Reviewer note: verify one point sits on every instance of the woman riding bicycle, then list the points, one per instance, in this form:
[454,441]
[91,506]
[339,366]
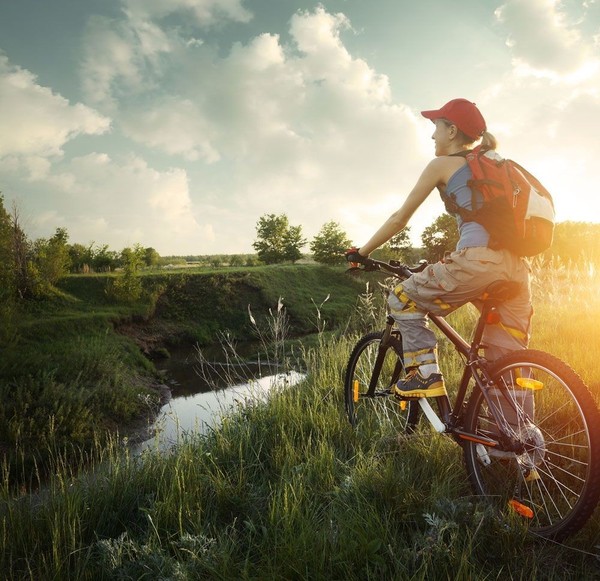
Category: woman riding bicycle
[464,274]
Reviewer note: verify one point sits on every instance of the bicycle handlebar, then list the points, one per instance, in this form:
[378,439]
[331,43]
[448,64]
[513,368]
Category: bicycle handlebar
[392,267]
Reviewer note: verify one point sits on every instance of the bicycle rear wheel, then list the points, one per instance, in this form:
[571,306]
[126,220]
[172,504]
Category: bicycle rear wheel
[554,481]
[372,372]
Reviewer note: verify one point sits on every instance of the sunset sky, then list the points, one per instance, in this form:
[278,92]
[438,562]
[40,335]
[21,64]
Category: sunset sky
[177,124]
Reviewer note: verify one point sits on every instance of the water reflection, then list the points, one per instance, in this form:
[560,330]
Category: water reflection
[197,412]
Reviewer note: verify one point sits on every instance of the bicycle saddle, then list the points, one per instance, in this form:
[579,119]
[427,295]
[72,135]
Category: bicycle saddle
[501,290]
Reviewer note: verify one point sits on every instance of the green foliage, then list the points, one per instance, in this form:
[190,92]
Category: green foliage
[276,240]
[293,241]
[104,259]
[7,276]
[329,244]
[151,257]
[401,241]
[51,260]
[440,237]
[128,286]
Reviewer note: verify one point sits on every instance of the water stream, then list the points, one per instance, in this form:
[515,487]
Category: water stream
[203,392]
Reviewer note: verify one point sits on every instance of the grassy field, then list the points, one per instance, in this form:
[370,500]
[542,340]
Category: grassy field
[287,490]
[75,371]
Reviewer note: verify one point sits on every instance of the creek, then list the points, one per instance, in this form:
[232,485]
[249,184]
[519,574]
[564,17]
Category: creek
[207,385]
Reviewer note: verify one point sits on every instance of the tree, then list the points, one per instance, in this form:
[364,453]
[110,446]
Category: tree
[128,286]
[20,250]
[293,241]
[236,260]
[151,257]
[51,258]
[105,260]
[81,257]
[7,275]
[329,244]
[400,243]
[398,248]
[440,237]
[276,241]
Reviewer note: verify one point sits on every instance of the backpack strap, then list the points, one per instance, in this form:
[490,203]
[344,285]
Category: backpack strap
[449,200]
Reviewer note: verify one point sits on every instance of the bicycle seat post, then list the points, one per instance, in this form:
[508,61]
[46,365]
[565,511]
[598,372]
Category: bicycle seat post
[496,293]
[489,316]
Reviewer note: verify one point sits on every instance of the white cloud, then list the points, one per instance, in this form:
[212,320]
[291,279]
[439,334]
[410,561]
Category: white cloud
[123,56]
[542,39]
[174,125]
[117,61]
[121,200]
[543,110]
[36,121]
[304,128]
[204,12]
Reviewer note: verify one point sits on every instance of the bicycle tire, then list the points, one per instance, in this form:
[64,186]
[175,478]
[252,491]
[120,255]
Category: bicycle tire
[554,484]
[378,411]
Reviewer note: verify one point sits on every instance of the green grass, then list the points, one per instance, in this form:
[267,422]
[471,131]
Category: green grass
[283,490]
[69,375]
[287,490]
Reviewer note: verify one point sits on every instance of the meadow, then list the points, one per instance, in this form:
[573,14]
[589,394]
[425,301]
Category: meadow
[285,489]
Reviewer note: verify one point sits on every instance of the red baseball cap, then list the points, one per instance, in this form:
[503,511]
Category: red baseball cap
[463,114]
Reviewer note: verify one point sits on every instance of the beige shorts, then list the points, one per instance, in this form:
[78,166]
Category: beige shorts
[462,277]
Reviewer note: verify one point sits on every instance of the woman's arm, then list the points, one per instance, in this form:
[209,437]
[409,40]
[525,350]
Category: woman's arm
[431,177]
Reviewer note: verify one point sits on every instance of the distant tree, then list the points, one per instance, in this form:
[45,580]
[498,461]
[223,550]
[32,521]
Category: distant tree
[401,241]
[7,273]
[21,254]
[105,260]
[440,237]
[151,257]
[276,241]
[51,258]
[236,260]
[81,257]
[293,241]
[398,248]
[215,261]
[7,276]
[128,286]
[329,244]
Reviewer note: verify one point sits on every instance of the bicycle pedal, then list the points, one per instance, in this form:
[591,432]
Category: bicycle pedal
[532,475]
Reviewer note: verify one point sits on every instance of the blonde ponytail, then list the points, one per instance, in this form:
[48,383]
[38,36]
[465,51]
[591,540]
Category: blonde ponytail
[488,141]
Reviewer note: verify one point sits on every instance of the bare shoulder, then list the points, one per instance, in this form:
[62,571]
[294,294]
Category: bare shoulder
[443,167]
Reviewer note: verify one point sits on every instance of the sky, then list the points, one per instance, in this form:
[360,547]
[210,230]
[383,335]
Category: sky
[177,124]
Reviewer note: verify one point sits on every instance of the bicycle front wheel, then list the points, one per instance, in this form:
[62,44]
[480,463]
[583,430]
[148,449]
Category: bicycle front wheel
[553,480]
[373,370]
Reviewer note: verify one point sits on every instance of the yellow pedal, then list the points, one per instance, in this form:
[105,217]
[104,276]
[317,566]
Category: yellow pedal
[355,390]
[528,383]
[402,405]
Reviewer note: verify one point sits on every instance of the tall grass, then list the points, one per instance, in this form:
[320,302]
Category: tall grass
[283,489]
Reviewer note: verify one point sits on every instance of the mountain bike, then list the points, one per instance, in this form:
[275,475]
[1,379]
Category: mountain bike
[527,424]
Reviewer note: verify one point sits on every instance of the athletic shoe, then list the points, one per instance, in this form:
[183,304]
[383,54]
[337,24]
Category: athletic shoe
[414,385]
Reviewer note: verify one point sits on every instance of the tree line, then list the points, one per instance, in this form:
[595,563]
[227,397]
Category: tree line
[30,268]
[277,241]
